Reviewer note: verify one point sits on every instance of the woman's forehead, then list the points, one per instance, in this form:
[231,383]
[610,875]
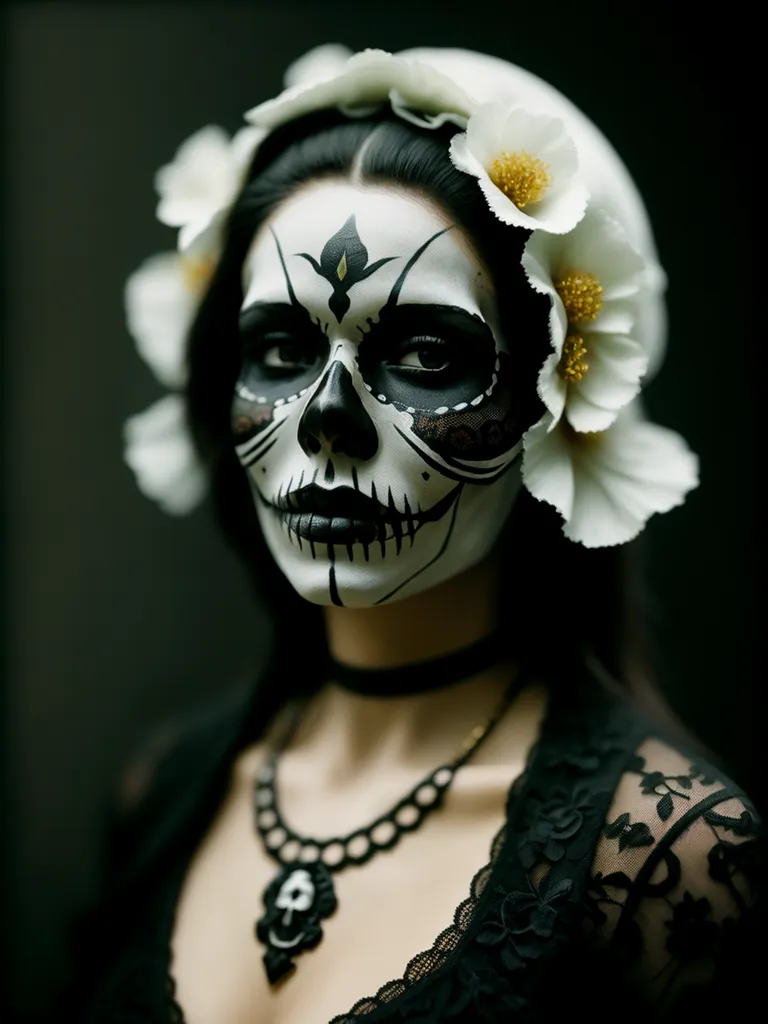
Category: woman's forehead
[364,236]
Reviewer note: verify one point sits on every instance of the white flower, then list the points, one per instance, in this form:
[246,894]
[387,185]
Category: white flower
[606,485]
[201,182]
[161,299]
[159,308]
[526,164]
[316,65]
[363,83]
[159,450]
[596,283]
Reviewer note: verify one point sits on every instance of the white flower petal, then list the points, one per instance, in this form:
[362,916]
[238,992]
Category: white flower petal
[159,450]
[596,246]
[553,391]
[492,133]
[364,81]
[640,468]
[600,246]
[616,365]
[615,318]
[616,360]
[159,306]
[547,466]
[199,181]
[243,147]
[431,121]
[203,239]
[316,65]
[607,485]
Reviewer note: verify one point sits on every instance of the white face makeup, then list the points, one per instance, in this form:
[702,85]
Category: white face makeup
[375,411]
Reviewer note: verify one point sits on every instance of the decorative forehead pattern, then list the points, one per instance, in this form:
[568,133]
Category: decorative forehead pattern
[343,263]
[353,243]
[338,264]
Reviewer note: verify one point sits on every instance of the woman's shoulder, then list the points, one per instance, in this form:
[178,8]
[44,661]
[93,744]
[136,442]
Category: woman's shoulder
[176,777]
[189,740]
[674,891]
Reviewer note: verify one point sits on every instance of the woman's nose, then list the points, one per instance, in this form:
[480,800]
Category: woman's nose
[335,416]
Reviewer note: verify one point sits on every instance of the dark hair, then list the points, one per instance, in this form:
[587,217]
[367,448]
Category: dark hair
[567,606]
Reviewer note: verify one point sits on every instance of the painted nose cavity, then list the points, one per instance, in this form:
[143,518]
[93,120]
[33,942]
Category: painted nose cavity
[336,416]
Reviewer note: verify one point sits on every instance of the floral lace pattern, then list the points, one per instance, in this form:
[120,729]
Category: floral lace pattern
[620,859]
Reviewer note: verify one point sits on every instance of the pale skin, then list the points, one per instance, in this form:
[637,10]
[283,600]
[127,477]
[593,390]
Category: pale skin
[351,759]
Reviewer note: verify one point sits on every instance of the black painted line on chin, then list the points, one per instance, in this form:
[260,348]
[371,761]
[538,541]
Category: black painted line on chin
[333,589]
[311,542]
[432,560]
[409,515]
[397,525]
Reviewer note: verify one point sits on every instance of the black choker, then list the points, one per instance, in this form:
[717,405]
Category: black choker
[421,676]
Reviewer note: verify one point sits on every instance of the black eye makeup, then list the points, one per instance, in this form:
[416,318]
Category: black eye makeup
[420,356]
[280,345]
[428,356]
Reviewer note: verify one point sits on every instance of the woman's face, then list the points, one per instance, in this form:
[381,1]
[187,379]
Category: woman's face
[375,411]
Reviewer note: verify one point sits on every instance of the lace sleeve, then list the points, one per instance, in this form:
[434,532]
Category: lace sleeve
[673,892]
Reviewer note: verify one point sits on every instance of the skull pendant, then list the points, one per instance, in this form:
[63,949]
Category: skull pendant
[295,902]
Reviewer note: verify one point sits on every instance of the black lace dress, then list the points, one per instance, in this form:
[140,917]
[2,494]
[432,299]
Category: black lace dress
[624,884]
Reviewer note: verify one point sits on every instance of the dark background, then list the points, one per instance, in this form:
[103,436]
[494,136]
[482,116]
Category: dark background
[117,615]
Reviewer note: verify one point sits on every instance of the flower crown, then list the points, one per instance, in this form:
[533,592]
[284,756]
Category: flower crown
[540,165]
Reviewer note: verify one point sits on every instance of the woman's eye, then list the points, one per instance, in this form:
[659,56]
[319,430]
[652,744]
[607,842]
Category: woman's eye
[288,355]
[424,359]
[434,356]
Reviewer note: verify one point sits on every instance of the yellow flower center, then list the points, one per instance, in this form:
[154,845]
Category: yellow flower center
[572,366]
[521,177]
[197,273]
[581,294]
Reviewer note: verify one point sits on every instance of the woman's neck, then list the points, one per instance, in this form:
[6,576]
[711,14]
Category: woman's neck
[367,732]
[446,618]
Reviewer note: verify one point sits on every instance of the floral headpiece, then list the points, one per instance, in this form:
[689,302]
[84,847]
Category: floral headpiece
[541,165]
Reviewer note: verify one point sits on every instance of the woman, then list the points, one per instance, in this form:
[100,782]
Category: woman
[430,300]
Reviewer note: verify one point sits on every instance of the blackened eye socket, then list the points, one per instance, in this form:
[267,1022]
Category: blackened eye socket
[281,354]
[423,354]
[288,355]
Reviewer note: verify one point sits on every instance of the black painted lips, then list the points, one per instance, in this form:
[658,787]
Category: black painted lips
[343,515]
[339,502]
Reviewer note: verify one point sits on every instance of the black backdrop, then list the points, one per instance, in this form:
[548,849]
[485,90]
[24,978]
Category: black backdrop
[118,615]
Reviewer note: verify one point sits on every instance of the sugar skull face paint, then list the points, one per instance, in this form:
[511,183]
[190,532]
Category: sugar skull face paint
[376,411]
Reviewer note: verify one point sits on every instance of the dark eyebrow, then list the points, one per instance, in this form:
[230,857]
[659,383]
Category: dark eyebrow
[425,316]
[276,316]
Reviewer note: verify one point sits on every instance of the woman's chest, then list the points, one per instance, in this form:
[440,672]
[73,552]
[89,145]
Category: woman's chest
[388,911]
